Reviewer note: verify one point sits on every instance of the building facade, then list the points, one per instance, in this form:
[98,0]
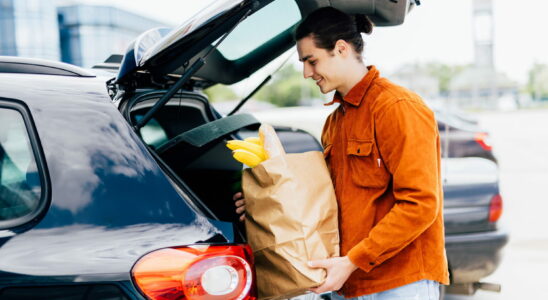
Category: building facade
[29,28]
[83,35]
[90,34]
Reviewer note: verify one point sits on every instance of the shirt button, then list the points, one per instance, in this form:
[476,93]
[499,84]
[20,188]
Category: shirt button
[371,263]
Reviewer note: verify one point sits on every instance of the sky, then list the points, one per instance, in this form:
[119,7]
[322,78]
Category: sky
[442,30]
[436,31]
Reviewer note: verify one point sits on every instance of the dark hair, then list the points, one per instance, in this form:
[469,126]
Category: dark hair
[327,25]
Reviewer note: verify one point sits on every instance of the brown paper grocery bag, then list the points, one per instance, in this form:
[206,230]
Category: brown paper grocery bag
[291,218]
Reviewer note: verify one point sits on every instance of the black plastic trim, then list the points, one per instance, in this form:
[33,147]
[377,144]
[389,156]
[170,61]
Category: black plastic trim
[148,95]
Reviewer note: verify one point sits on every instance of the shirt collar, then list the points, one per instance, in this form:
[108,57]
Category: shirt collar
[357,93]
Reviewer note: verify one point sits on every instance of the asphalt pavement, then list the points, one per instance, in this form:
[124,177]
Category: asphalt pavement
[520,140]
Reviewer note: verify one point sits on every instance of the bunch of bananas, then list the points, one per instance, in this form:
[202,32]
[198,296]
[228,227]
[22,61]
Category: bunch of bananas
[254,150]
[250,151]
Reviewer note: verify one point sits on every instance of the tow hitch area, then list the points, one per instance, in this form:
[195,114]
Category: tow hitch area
[471,288]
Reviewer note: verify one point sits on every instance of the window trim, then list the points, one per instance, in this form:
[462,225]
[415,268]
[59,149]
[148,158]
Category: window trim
[36,146]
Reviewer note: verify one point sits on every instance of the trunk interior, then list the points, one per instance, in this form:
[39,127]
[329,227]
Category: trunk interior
[210,172]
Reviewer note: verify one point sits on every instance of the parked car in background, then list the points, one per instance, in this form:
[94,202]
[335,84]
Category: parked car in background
[472,203]
[121,188]
[462,136]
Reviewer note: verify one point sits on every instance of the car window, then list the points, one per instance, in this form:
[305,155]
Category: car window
[20,187]
[267,22]
[152,133]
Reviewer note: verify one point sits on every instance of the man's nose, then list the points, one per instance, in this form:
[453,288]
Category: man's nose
[307,71]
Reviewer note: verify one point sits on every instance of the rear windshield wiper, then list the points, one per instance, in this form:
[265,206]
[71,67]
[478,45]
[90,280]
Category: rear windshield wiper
[267,79]
[184,78]
[244,100]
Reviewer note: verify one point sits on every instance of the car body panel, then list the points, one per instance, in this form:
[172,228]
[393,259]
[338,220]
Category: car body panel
[110,201]
[474,256]
[470,183]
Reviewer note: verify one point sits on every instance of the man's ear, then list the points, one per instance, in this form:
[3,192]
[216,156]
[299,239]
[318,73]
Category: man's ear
[342,48]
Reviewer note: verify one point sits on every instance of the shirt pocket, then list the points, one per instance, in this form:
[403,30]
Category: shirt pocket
[366,166]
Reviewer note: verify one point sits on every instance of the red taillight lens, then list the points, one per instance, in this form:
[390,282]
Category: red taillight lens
[201,272]
[482,138]
[495,208]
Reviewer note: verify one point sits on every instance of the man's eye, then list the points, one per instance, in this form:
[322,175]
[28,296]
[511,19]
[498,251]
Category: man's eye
[312,62]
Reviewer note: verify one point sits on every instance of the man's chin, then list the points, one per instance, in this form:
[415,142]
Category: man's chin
[325,90]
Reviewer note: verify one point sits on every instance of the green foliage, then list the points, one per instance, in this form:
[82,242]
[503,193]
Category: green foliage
[444,73]
[288,87]
[537,84]
[219,93]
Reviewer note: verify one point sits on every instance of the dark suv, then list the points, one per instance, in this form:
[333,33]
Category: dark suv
[120,188]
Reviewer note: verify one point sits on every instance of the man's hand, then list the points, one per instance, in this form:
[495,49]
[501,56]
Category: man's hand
[338,270]
[240,205]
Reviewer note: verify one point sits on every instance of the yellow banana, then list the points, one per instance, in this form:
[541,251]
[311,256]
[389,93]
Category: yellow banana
[251,147]
[254,140]
[246,157]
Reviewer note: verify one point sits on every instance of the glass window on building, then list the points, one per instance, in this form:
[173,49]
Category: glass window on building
[36,29]
[7,28]
[20,187]
[90,34]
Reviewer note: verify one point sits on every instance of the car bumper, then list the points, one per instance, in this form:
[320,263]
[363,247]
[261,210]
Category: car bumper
[474,256]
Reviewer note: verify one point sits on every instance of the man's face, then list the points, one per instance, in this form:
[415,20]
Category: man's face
[325,67]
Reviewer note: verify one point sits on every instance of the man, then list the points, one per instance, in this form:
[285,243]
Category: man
[383,151]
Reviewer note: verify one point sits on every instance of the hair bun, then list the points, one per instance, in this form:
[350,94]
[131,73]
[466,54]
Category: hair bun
[363,24]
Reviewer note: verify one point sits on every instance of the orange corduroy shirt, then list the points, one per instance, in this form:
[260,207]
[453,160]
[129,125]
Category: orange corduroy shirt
[382,148]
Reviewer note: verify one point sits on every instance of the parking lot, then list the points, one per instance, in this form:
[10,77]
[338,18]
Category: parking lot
[520,141]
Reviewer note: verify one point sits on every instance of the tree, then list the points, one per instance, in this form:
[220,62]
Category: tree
[288,87]
[537,84]
[444,73]
[219,93]
[415,76]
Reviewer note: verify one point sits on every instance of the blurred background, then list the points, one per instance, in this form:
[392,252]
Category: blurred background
[482,60]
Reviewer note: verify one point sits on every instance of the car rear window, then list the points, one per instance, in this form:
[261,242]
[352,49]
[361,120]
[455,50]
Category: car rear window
[21,188]
[268,22]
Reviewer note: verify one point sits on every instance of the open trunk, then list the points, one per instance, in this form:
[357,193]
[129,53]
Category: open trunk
[207,173]
[162,70]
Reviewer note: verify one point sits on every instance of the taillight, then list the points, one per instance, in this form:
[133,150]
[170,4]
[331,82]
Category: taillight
[202,272]
[482,138]
[495,208]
